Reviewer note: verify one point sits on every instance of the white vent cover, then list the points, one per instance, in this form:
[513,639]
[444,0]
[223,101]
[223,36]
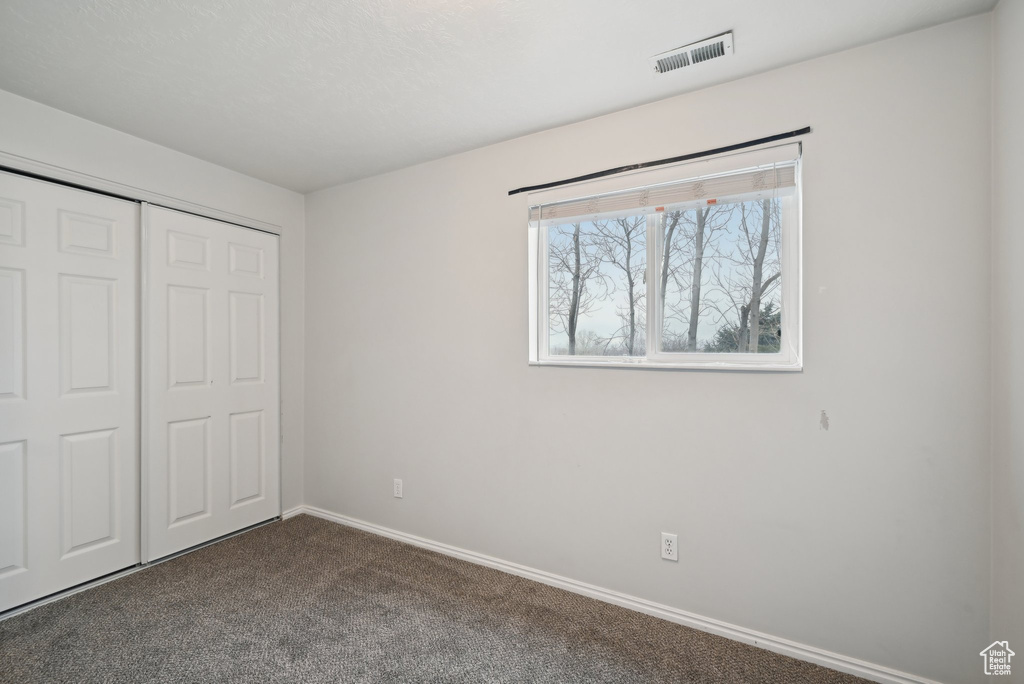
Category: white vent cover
[694,53]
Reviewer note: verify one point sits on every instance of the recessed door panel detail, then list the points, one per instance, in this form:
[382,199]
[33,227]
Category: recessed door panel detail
[87,333]
[213,431]
[246,260]
[69,400]
[91,235]
[187,335]
[188,251]
[246,337]
[188,457]
[12,222]
[89,490]
[13,494]
[12,333]
[246,457]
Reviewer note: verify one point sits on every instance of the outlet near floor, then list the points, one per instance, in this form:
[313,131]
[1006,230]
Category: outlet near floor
[398,488]
[669,550]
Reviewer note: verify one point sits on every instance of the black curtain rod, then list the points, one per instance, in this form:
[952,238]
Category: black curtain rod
[671,160]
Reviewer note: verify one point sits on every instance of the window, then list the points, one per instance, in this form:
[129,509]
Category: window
[691,266]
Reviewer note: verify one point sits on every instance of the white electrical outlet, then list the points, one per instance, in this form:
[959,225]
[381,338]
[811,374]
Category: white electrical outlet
[398,488]
[669,547]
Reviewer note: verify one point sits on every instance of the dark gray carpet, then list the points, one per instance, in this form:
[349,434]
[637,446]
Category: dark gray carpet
[307,600]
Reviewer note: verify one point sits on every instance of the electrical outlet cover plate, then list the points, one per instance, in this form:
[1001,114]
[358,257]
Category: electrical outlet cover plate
[398,488]
[669,547]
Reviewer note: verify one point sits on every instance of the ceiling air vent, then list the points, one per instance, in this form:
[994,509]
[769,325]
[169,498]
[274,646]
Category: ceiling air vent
[694,53]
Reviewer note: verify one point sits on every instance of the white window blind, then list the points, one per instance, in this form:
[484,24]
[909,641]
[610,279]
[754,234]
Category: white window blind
[751,175]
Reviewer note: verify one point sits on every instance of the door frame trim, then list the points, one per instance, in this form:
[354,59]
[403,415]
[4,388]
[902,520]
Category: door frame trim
[143,360]
[52,173]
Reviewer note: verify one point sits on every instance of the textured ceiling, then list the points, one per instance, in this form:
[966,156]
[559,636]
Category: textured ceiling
[310,93]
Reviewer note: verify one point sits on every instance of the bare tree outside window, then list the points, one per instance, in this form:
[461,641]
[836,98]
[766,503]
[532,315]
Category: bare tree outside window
[597,287]
[719,264]
[575,283]
[690,241]
[623,247]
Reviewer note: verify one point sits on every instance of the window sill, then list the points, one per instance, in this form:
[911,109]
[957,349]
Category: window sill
[648,364]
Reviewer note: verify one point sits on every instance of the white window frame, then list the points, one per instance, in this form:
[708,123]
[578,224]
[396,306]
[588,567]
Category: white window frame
[789,358]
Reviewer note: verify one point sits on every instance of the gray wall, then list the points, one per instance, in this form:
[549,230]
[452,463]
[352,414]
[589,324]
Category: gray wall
[870,539]
[1008,327]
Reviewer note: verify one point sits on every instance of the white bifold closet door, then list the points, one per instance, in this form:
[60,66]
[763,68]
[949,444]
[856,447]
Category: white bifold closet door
[211,423]
[69,450]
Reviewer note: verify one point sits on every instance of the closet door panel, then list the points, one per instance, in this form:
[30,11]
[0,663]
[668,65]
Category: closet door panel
[212,412]
[69,451]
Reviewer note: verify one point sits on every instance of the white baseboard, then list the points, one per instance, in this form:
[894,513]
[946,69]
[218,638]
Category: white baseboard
[292,512]
[860,668]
